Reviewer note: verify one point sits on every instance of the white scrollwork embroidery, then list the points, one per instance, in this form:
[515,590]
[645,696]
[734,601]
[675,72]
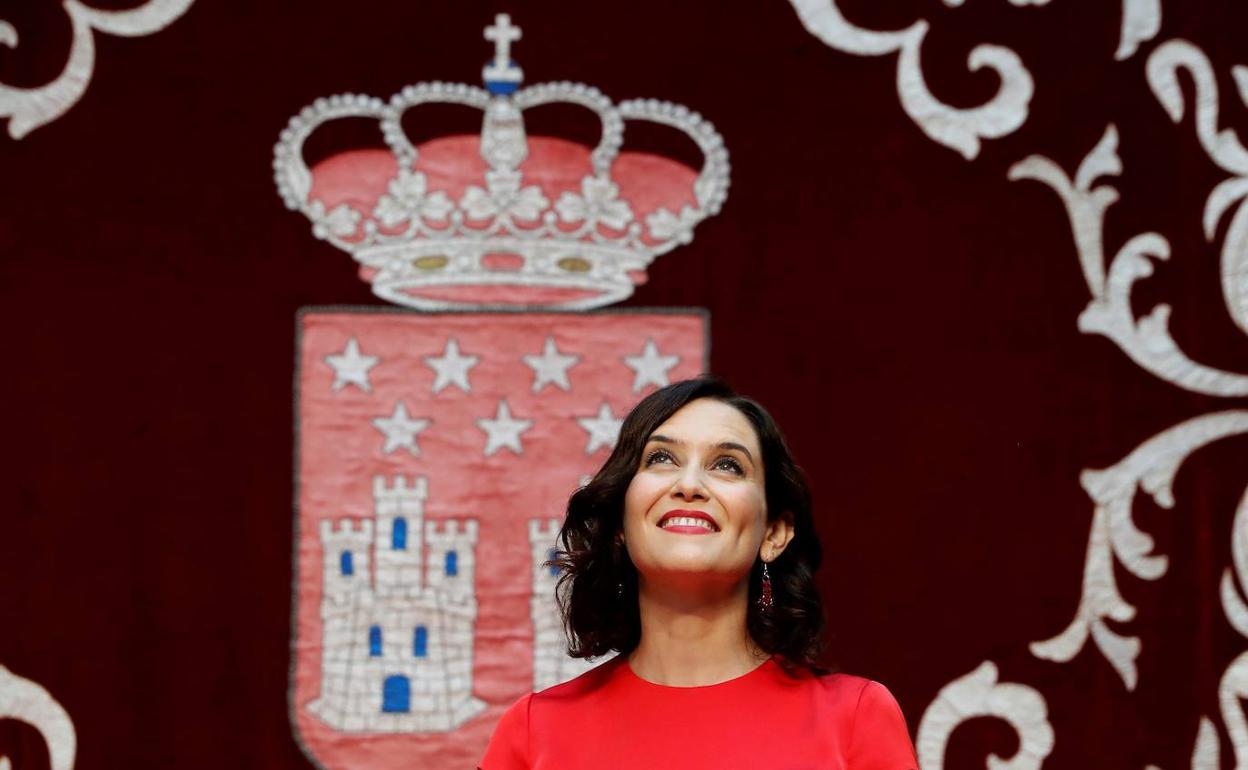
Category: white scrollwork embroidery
[1147,340]
[956,3]
[1151,467]
[1233,688]
[1224,149]
[1205,753]
[978,694]
[29,702]
[30,108]
[1141,21]
[1232,603]
[960,129]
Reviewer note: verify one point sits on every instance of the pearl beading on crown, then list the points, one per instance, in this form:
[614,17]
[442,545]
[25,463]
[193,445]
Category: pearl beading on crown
[416,237]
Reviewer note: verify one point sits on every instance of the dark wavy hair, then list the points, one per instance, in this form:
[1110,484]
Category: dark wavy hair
[598,588]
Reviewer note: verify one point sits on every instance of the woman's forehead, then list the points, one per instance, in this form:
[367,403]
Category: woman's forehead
[708,421]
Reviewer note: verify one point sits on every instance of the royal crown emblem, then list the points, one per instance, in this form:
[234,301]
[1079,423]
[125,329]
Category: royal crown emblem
[502,219]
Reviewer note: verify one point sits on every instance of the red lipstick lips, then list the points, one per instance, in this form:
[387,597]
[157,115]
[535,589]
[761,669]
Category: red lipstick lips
[691,525]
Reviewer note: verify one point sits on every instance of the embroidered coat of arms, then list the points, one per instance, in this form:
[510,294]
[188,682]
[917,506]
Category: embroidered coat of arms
[438,442]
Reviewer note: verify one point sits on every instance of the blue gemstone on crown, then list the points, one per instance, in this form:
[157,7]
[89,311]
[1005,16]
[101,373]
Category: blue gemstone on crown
[503,87]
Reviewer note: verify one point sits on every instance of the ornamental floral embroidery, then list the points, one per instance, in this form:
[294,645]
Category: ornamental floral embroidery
[505,198]
[342,221]
[30,108]
[664,225]
[1115,539]
[408,199]
[598,203]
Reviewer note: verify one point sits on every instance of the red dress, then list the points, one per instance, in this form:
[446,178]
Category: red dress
[611,719]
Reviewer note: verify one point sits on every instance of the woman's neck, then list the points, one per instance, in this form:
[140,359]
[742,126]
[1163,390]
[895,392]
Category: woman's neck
[694,640]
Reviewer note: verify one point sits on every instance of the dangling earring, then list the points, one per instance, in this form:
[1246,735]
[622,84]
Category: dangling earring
[619,555]
[764,597]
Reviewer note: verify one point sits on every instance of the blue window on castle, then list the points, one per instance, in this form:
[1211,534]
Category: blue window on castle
[420,642]
[551,555]
[398,535]
[374,641]
[396,695]
[452,564]
[345,564]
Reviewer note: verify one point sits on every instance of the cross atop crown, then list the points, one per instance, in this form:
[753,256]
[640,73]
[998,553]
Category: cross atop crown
[502,76]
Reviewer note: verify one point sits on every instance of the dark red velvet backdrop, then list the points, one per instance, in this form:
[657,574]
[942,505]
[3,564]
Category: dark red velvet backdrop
[908,315]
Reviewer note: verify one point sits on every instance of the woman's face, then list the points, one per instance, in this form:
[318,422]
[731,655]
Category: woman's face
[697,507]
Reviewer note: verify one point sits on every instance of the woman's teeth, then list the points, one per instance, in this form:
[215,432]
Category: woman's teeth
[687,521]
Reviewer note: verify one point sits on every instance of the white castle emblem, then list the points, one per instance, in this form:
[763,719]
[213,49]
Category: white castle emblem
[397,648]
[398,632]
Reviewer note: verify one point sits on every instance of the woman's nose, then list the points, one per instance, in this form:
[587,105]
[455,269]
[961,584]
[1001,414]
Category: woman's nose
[689,484]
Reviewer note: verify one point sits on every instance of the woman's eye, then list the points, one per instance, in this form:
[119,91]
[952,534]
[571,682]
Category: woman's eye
[658,455]
[727,464]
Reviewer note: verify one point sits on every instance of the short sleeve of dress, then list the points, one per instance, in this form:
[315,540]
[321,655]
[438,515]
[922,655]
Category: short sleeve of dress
[509,746]
[880,740]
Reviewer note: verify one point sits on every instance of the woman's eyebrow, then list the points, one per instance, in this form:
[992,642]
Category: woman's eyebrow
[734,445]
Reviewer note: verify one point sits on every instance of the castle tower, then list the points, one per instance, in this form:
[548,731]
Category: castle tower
[347,597]
[452,566]
[400,512]
[551,662]
[451,575]
[397,650]
[346,550]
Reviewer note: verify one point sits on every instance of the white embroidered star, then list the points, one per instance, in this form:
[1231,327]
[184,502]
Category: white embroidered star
[551,367]
[451,368]
[400,430]
[650,366]
[603,428]
[351,368]
[503,430]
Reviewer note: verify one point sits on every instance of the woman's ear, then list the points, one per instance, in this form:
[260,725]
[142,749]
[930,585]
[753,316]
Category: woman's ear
[776,539]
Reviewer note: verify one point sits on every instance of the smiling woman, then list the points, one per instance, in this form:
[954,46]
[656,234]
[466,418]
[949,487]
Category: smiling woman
[692,555]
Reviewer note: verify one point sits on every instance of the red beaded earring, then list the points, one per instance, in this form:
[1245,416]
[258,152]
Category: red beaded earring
[764,598]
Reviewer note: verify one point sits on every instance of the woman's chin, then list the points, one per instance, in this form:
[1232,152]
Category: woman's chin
[688,565]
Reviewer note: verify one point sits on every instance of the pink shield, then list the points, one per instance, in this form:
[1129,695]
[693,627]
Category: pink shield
[436,456]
